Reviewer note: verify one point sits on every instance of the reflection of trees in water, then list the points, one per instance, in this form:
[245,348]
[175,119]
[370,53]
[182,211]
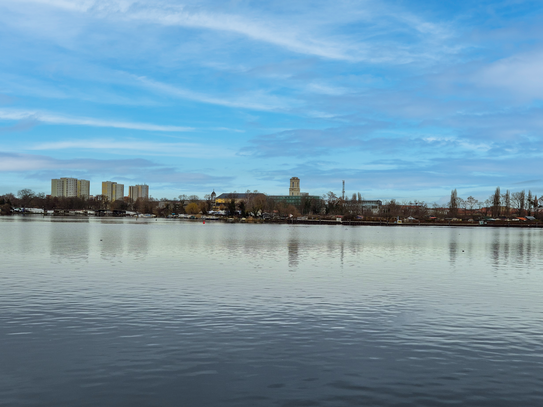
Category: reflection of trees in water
[515,248]
[137,242]
[523,250]
[341,250]
[69,241]
[495,248]
[453,245]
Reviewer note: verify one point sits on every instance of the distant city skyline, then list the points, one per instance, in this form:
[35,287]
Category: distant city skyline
[401,99]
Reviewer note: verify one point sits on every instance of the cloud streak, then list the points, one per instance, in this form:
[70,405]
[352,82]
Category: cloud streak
[44,168]
[258,100]
[312,34]
[255,28]
[14,162]
[52,118]
[21,125]
[140,147]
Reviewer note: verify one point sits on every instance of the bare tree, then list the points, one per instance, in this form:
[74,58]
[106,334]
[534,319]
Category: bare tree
[332,203]
[519,201]
[522,203]
[463,204]
[25,196]
[507,202]
[471,203]
[390,209]
[496,203]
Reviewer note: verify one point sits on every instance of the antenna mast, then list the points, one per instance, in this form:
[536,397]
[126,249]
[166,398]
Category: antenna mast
[343,192]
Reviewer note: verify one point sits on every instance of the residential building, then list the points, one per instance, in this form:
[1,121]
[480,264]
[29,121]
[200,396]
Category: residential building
[56,188]
[112,191]
[119,192]
[83,188]
[136,192]
[70,187]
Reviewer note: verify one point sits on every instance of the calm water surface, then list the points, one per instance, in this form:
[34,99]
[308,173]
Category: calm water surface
[98,312]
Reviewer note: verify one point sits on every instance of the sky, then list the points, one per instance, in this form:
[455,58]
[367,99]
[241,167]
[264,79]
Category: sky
[402,99]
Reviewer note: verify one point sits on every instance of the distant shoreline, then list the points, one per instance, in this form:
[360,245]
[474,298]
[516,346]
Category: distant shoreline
[491,224]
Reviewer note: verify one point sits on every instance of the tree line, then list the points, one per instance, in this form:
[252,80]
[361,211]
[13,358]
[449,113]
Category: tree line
[499,204]
[26,198]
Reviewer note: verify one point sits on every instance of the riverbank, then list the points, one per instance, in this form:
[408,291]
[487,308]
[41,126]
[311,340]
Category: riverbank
[411,224]
[330,222]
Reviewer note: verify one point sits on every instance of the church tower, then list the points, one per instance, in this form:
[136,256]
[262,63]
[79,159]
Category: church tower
[294,189]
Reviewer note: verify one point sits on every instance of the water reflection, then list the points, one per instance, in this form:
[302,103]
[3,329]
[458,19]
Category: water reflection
[68,242]
[212,314]
[293,247]
[119,240]
[138,243]
[510,248]
[112,240]
[453,245]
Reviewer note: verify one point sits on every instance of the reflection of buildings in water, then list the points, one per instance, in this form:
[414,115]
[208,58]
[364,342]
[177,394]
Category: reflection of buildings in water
[293,247]
[69,241]
[137,241]
[111,240]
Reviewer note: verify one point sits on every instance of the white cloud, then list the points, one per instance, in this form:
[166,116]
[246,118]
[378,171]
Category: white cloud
[519,74]
[309,30]
[20,162]
[15,162]
[259,100]
[129,147]
[256,28]
[51,118]
[325,89]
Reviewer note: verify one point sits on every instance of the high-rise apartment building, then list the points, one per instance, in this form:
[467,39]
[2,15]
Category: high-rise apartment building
[119,191]
[107,189]
[56,187]
[138,191]
[70,187]
[112,190]
[83,188]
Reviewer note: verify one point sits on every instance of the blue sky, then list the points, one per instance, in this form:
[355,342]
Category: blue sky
[401,99]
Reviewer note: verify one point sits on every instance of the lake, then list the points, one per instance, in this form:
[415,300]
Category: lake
[119,312]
